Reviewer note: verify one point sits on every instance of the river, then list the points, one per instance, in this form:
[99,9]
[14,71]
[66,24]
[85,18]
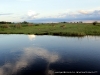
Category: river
[49,55]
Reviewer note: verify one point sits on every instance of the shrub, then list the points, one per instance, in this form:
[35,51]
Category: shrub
[94,23]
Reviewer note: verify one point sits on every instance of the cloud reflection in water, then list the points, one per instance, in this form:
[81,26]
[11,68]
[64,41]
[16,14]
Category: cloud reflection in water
[27,58]
[31,37]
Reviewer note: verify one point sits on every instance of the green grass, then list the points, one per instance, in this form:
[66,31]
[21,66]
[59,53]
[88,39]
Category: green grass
[62,29]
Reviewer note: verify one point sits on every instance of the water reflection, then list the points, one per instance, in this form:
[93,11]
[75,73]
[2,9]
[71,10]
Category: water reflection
[27,58]
[31,37]
[50,54]
[96,38]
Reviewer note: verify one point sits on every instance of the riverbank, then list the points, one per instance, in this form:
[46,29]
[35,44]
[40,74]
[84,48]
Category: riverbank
[62,29]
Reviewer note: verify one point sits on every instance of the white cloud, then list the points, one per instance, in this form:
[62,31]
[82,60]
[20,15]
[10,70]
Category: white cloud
[32,14]
[6,13]
[83,15]
[62,15]
[85,11]
[58,15]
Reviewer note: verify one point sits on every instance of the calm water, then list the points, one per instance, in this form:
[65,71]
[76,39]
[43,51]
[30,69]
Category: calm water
[49,55]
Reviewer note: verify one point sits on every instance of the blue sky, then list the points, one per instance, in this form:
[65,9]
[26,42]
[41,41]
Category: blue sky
[49,10]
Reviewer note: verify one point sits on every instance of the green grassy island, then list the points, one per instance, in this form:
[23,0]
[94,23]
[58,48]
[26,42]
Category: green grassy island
[62,29]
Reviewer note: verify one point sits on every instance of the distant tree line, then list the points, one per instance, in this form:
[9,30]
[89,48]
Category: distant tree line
[71,22]
[3,22]
[24,22]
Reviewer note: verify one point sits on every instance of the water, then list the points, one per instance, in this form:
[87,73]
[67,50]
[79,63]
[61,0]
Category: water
[49,55]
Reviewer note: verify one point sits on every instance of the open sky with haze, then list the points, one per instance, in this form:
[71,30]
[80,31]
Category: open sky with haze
[49,10]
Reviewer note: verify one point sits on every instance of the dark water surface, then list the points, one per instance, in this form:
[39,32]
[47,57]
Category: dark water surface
[49,55]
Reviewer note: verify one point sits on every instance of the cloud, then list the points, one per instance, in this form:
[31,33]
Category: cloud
[59,15]
[32,14]
[93,15]
[84,12]
[5,14]
[96,12]
[81,15]
[90,12]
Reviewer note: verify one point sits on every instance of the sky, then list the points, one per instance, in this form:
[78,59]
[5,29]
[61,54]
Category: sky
[47,11]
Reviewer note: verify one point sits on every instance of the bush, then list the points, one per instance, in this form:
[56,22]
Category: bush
[94,23]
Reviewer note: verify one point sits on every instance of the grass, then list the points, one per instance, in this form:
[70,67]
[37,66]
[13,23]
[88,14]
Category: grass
[62,29]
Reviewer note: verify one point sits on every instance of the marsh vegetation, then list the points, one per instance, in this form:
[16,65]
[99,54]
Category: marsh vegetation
[62,29]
